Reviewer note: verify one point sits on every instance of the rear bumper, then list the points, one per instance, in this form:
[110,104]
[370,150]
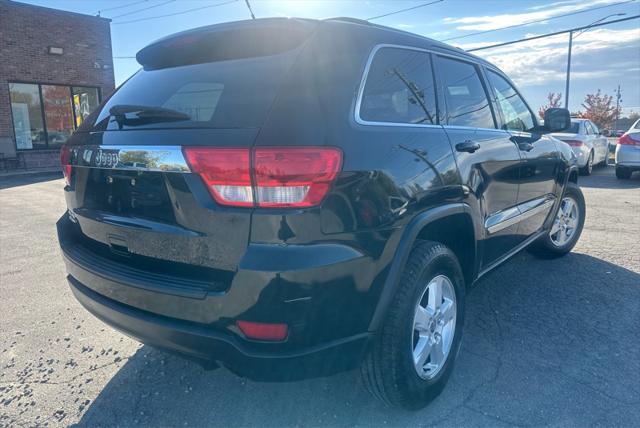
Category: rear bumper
[327,326]
[205,345]
[628,156]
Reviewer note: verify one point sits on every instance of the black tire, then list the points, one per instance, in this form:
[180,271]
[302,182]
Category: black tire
[623,173]
[388,370]
[545,247]
[588,168]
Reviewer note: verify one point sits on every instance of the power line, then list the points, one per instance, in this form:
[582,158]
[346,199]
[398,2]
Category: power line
[404,10]
[121,6]
[143,9]
[175,13]
[554,34]
[538,20]
[250,11]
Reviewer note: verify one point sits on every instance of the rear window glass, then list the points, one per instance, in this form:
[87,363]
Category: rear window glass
[399,88]
[574,128]
[222,94]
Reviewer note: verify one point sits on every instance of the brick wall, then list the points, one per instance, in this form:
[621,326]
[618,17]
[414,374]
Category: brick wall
[26,32]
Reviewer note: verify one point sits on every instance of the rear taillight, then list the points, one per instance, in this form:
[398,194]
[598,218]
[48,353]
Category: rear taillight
[225,172]
[65,162]
[294,177]
[277,176]
[626,140]
[574,143]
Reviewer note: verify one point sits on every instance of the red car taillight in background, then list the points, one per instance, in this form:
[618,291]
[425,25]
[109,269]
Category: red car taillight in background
[574,143]
[626,140]
[279,177]
[65,158]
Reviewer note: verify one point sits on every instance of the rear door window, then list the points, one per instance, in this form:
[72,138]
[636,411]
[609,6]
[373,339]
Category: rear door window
[399,88]
[464,95]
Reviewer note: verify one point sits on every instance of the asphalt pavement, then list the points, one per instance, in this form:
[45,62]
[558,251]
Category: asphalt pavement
[545,342]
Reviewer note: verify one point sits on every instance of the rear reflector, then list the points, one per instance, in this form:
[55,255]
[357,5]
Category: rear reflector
[65,158]
[626,140]
[281,177]
[263,331]
[574,143]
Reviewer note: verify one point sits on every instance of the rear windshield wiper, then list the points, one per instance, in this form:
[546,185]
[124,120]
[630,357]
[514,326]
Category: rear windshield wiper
[134,115]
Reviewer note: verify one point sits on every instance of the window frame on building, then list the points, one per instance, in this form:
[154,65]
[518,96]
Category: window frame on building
[39,85]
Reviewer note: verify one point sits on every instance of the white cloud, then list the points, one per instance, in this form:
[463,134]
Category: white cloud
[558,3]
[595,54]
[492,22]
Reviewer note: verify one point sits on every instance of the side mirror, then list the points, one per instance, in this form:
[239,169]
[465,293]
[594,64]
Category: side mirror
[557,119]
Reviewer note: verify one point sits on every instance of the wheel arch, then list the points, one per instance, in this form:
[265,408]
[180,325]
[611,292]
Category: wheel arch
[451,225]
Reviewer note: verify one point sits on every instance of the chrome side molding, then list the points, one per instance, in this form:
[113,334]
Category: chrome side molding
[503,219]
[138,158]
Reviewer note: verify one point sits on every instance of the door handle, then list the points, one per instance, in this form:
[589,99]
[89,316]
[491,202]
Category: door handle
[522,142]
[467,146]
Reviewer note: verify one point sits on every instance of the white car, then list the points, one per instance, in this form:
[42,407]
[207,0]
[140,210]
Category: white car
[628,152]
[589,145]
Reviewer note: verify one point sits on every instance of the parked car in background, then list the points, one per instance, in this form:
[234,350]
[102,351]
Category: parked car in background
[589,145]
[288,197]
[628,152]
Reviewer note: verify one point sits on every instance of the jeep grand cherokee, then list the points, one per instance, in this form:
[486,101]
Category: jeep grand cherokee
[291,198]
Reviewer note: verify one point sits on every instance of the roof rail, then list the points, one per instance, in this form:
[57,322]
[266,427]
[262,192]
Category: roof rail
[349,19]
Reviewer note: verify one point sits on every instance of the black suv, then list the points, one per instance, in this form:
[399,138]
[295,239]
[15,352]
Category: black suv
[291,198]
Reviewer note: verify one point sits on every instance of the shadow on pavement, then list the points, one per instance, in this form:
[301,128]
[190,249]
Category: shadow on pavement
[545,342]
[605,178]
[7,182]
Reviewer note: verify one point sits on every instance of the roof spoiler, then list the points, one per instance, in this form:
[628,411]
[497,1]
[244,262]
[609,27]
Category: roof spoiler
[234,40]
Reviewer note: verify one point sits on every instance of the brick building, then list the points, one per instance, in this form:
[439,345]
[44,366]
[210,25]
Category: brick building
[55,67]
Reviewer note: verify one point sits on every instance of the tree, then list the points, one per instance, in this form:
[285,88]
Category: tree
[553,101]
[600,109]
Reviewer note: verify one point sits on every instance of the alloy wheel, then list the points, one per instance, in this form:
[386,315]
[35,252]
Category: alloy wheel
[434,325]
[565,223]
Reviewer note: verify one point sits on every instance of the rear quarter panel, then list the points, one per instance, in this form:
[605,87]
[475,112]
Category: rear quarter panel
[389,173]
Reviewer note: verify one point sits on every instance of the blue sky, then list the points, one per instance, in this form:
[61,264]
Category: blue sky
[602,57]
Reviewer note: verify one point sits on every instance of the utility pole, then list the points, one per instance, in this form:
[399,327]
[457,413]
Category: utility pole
[566,88]
[618,101]
[566,92]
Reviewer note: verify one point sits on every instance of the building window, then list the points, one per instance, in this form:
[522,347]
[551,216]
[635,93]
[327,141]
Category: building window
[85,100]
[44,116]
[27,116]
[58,116]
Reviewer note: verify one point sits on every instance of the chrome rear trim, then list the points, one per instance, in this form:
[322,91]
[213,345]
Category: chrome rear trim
[137,158]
